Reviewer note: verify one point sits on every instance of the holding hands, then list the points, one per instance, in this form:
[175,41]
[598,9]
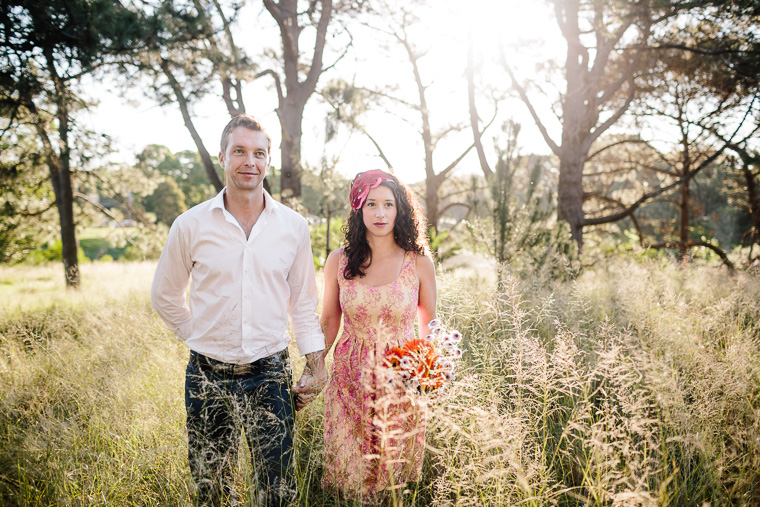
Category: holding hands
[312,381]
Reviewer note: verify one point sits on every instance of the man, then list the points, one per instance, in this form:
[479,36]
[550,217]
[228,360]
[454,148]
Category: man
[251,265]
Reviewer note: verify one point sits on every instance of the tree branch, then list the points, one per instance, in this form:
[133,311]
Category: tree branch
[616,143]
[185,109]
[442,175]
[611,120]
[97,206]
[277,82]
[451,205]
[633,207]
[315,69]
[524,97]
[692,244]
[377,146]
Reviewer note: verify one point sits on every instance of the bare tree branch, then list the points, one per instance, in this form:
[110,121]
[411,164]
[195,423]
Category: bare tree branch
[441,175]
[692,244]
[524,97]
[451,205]
[611,120]
[633,207]
[616,143]
[276,77]
[377,146]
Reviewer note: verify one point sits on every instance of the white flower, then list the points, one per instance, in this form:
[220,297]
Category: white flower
[405,375]
[456,352]
[405,362]
[434,324]
[448,376]
[456,336]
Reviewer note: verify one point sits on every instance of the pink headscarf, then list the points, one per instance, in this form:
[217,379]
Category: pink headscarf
[363,183]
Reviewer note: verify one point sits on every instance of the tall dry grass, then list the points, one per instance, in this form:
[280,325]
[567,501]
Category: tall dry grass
[636,383]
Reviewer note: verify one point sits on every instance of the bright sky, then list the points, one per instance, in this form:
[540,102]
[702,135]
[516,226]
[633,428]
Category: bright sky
[526,30]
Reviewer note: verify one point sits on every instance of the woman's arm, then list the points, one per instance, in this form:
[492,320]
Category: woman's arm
[428,293]
[331,313]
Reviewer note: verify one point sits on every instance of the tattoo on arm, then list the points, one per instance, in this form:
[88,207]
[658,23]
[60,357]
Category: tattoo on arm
[312,360]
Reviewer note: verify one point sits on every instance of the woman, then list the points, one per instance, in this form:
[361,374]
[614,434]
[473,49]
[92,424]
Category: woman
[379,280]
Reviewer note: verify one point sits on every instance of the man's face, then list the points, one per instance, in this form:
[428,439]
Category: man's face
[245,160]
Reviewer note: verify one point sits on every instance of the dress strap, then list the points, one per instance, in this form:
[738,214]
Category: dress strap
[409,267]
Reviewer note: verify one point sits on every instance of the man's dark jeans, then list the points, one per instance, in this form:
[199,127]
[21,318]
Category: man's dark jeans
[219,403]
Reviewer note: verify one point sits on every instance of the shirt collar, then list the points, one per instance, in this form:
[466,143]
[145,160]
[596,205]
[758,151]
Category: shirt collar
[269,203]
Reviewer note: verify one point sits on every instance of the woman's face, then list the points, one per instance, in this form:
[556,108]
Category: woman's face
[379,211]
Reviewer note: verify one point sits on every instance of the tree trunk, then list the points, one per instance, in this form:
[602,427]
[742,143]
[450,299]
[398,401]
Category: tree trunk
[474,120]
[683,227]
[570,191]
[292,101]
[432,181]
[65,204]
[291,115]
[752,195]
[59,165]
[327,234]
[431,204]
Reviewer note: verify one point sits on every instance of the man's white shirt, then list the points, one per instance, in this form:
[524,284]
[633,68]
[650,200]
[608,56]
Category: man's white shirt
[241,289]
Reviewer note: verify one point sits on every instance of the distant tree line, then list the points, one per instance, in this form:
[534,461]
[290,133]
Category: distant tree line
[656,117]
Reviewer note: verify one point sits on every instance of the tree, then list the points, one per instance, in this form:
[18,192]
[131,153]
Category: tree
[325,195]
[346,100]
[185,168]
[601,63]
[611,47]
[195,55]
[745,193]
[696,115]
[199,56]
[27,217]
[167,202]
[707,108]
[299,78]
[45,50]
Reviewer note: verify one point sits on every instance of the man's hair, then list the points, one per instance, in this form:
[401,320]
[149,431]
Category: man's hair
[247,121]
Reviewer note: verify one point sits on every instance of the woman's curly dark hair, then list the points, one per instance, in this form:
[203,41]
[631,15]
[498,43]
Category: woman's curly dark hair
[409,231]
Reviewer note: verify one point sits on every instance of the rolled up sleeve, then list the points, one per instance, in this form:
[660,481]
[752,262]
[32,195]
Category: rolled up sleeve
[303,298]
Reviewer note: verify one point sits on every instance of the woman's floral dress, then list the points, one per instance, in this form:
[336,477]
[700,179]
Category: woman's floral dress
[374,431]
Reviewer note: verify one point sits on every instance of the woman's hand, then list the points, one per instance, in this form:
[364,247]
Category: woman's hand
[312,381]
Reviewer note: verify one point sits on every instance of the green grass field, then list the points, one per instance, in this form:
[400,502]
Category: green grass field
[638,383]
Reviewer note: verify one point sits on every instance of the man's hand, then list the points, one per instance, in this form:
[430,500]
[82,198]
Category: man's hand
[313,379]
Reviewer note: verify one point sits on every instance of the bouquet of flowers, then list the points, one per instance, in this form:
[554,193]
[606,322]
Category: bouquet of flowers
[425,364]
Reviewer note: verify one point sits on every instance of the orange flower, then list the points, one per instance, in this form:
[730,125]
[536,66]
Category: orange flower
[392,357]
[419,362]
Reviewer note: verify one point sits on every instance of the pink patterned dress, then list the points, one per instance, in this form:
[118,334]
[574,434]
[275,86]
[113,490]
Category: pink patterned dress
[374,431]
